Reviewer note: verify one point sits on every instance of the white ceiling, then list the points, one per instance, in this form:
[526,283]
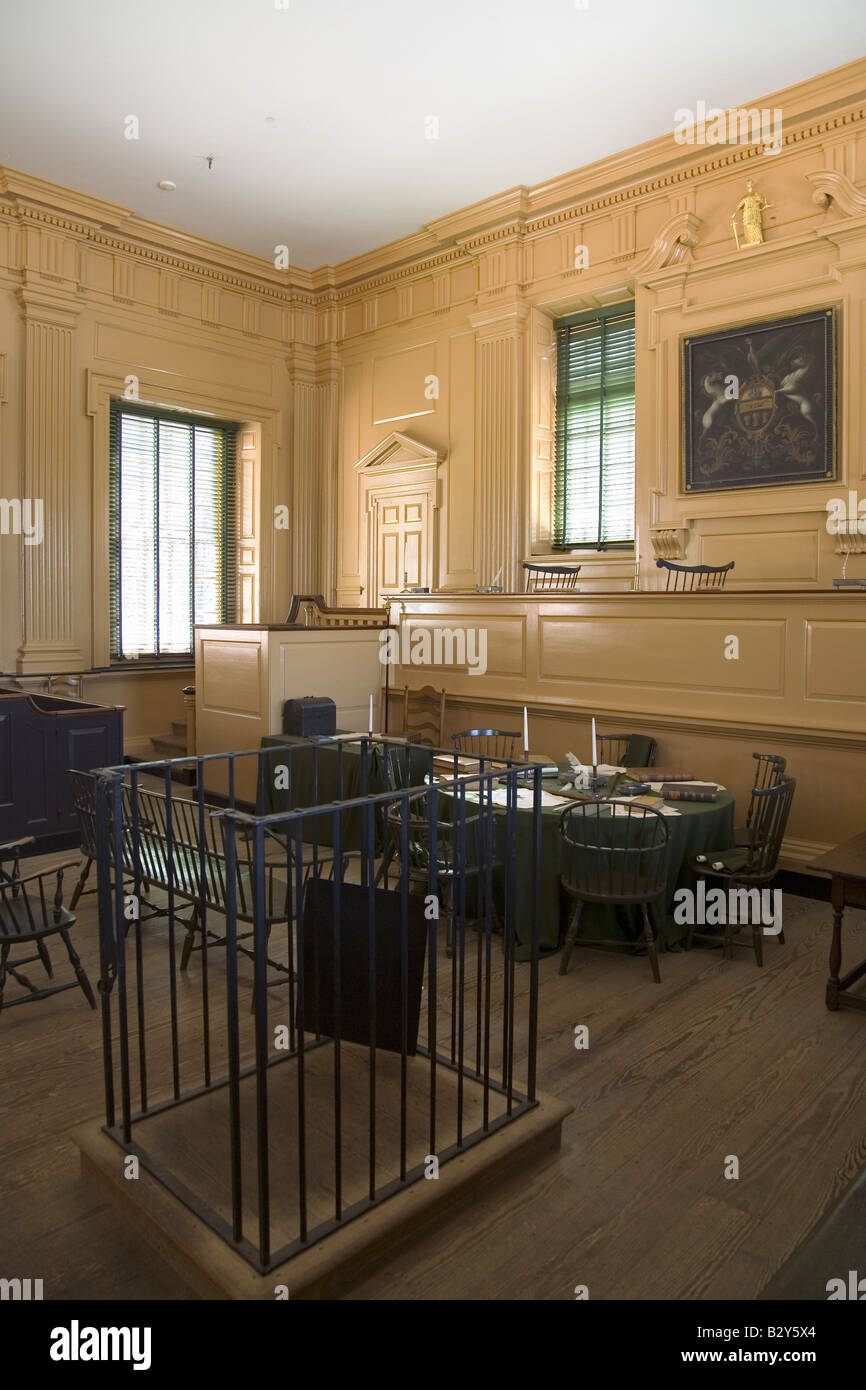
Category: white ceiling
[523,90]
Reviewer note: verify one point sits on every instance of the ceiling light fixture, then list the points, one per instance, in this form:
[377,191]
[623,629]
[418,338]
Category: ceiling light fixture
[166,185]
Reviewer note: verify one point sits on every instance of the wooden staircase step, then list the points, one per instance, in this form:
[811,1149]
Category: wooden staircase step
[169,745]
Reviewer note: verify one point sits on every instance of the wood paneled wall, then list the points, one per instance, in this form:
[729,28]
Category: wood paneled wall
[445,337]
[473,299]
[793,682]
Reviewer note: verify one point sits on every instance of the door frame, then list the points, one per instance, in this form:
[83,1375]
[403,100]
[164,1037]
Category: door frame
[397,465]
[375,498]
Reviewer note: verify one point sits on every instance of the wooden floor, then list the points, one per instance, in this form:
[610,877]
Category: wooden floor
[721,1059]
[190,1139]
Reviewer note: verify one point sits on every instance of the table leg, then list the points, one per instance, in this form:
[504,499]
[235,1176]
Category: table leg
[838,900]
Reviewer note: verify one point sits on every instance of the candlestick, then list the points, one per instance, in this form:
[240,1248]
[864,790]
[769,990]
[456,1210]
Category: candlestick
[636,585]
[371,714]
[594,749]
[525,734]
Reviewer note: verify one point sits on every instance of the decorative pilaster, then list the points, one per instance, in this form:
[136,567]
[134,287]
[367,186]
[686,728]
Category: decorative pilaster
[500,442]
[315,424]
[48,634]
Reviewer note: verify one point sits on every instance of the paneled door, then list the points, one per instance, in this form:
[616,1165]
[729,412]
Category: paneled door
[402,526]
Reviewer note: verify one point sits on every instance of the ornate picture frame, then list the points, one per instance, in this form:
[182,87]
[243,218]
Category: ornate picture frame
[760,404]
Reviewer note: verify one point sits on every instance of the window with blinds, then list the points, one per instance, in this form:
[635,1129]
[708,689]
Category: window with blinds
[594,485]
[172,528]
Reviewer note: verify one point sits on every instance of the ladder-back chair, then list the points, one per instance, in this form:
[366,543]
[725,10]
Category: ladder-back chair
[424,715]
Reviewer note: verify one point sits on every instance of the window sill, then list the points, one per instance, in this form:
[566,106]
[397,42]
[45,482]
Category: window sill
[185,663]
[585,557]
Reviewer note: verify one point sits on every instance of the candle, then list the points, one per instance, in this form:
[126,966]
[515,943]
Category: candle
[594,749]
[525,733]
[371,714]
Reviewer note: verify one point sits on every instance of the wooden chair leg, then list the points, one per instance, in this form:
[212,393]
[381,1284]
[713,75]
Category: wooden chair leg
[571,936]
[79,887]
[384,868]
[649,937]
[758,940]
[658,923]
[189,940]
[728,938]
[4,956]
[80,974]
[690,934]
[45,958]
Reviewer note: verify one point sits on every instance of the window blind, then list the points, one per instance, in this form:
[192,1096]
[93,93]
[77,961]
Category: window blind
[172,528]
[595,417]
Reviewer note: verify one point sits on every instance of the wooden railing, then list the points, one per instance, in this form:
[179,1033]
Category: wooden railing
[310,610]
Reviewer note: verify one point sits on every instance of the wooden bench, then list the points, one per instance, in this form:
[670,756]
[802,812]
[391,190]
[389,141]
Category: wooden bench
[179,847]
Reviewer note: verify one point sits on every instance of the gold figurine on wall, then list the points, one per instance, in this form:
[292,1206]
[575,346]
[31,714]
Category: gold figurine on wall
[751,209]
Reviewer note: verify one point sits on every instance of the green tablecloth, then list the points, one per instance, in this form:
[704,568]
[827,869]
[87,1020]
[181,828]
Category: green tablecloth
[316,776]
[341,774]
[699,827]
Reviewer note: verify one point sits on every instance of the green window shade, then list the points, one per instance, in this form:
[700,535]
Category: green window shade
[594,486]
[172,529]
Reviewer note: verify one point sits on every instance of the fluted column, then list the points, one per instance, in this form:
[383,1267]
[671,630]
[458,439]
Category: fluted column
[315,403]
[501,441]
[48,634]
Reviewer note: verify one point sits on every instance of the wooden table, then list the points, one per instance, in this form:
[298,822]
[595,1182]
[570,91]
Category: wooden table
[846,865]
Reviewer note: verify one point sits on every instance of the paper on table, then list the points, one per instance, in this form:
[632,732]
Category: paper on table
[624,808]
[524,798]
[608,770]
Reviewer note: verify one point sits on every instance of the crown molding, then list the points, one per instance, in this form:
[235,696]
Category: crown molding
[826,106]
[28,199]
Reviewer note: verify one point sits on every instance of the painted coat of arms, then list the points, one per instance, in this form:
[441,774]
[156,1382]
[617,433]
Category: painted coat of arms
[760,404]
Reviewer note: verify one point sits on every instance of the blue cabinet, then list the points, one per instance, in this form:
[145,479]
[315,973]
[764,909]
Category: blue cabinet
[41,736]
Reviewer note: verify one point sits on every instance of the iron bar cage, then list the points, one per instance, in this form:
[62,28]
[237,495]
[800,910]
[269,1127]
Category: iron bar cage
[311,1000]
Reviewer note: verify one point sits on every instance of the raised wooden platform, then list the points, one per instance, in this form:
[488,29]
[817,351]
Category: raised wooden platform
[190,1142]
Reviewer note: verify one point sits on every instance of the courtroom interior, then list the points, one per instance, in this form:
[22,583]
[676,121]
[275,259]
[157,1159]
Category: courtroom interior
[432,651]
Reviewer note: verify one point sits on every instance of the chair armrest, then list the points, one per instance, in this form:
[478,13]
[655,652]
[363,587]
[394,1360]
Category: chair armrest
[16,845]
[706,871]
[45,873]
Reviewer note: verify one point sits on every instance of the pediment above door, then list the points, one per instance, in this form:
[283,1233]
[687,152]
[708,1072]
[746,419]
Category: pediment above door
[398,453]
